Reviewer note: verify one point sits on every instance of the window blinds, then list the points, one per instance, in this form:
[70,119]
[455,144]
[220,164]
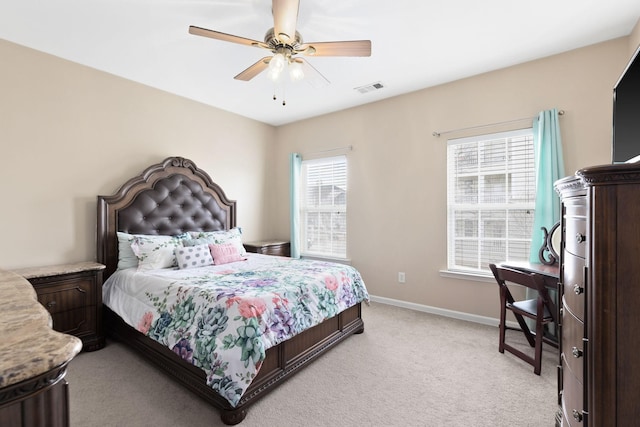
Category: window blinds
[490,198]
[324,207]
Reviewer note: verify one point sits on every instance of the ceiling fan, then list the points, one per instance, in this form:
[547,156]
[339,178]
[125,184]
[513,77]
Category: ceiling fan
[285,43]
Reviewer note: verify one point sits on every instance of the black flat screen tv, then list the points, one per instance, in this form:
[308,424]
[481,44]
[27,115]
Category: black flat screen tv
[626,113]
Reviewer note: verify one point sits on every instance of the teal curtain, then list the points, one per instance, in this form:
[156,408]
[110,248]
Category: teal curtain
[295,164]
[549,166]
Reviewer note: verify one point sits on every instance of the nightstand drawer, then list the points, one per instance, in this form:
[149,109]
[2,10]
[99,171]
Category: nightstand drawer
[66,295]
[80,321]
[278,248]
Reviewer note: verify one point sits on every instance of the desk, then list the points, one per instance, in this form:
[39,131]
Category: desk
[551,275]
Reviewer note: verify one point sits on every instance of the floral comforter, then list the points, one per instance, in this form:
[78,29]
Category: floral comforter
[223,318]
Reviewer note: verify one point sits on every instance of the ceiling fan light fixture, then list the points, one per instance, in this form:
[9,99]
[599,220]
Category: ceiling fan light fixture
[278,62]
[276,66]
[295,71]
[284,42]
[274,74]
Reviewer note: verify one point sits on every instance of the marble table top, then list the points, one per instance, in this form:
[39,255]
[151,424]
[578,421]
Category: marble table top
[29,347]
[34,272]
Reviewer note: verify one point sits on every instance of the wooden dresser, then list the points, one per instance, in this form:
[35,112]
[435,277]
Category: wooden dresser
[600,291]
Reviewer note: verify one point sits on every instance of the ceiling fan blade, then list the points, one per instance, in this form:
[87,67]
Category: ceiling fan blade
[254,70]
[285,18]
[225,37]
[343,48]
[311,75]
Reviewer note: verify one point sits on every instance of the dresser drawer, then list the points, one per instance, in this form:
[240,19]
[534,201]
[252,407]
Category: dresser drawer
[575,206]
[66,295]
[572,400]
[572,344]
[574,286]
[576,235]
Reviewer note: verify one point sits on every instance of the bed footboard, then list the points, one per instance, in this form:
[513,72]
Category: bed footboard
[282,361]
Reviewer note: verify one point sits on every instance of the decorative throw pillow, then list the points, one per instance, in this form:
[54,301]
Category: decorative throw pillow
[218,237]
[154,252]
[193,256]
[225,253]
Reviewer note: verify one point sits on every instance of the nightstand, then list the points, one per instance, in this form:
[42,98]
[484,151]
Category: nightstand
[269,247]
[72,293]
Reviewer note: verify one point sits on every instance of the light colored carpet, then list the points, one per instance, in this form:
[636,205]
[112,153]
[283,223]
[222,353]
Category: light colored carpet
[407,369]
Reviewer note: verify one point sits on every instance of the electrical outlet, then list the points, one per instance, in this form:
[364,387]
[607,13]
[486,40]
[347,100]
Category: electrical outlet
[401,277]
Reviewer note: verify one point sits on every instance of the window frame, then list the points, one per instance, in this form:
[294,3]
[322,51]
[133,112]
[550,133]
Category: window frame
[480,206]
[306,208]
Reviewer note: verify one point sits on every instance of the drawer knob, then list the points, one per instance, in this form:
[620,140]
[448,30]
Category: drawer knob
[580,237]
[577,415]
[51,304]
[576,352]
[578,289]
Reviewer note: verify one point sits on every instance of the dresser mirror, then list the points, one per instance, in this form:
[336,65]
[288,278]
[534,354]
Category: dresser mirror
[550,250]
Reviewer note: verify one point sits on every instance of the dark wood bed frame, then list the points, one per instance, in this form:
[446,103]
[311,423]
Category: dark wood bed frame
[172,197]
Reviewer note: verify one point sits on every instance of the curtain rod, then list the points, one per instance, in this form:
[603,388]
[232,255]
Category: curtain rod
[560,113]
[346,148]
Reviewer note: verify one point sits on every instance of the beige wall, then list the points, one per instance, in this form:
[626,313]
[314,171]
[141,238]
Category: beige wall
[397,181]
[69,133]
[634,39]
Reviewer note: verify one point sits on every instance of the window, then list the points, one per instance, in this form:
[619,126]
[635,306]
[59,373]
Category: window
[323,205]
[490,199]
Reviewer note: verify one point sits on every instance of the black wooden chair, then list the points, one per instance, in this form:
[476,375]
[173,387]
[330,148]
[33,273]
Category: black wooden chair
[541,309]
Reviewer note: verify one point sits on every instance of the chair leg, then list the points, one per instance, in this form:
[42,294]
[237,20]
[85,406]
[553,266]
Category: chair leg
[525,329]
[503,325]
[538,356]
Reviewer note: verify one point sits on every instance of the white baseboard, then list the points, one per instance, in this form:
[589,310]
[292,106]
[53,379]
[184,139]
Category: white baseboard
[440,311]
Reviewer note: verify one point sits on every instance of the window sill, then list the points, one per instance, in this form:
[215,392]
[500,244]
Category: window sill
[466,275]
[346,261]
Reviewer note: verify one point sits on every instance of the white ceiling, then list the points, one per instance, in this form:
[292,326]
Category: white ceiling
[415,43]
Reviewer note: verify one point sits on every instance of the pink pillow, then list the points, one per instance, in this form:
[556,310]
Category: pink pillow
[225,253]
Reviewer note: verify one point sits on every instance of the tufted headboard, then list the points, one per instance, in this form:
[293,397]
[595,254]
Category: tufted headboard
[168,198]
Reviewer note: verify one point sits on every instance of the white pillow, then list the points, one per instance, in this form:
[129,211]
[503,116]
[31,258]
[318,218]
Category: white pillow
[126,257]
[193,256]
[233,236]
[154,252]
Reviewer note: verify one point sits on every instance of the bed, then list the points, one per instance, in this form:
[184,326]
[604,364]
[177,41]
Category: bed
[175,198]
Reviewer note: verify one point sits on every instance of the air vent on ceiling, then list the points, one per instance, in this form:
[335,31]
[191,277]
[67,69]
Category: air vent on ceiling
[369,88]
